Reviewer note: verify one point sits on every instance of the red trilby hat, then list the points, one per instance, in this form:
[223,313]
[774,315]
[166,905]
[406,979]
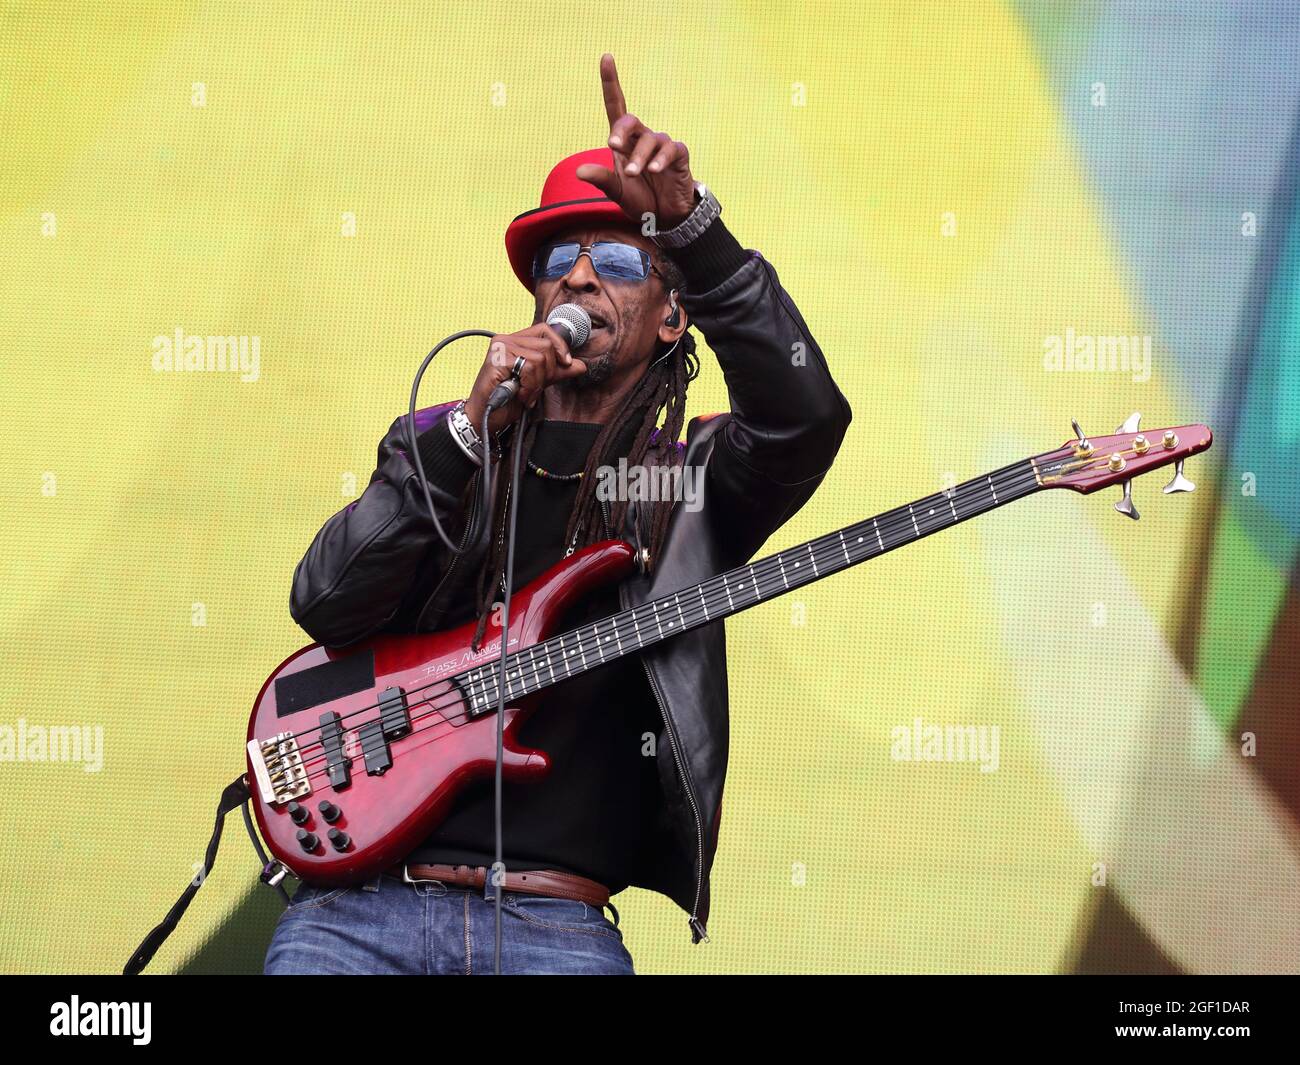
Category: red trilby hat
[566,201]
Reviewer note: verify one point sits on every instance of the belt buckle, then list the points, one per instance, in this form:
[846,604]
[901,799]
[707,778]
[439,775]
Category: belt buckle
[408,879]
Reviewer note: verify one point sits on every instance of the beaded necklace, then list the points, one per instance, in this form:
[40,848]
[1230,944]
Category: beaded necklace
[547,475]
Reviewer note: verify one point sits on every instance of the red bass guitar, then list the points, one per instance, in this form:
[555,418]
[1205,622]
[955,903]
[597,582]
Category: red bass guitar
[355,755]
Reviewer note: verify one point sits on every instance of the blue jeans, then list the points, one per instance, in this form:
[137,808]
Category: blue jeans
[392,928]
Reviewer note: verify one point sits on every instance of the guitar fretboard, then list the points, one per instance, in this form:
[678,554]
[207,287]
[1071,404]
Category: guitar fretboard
[591,646]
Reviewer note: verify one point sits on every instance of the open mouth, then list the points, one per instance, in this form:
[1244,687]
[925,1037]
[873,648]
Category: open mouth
[597,322]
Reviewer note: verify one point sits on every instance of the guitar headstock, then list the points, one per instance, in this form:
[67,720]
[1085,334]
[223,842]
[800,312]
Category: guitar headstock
[1089,464]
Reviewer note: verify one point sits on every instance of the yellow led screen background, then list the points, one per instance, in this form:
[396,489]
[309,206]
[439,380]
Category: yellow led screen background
[943,188]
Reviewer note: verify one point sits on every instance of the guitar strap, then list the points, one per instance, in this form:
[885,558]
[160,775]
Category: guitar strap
[235,795]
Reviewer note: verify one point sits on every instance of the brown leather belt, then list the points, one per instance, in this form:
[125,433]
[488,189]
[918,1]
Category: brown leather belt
[549,882]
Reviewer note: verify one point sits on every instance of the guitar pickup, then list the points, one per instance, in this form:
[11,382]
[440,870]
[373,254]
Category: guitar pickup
[394,714]
[379,759]
[338,765]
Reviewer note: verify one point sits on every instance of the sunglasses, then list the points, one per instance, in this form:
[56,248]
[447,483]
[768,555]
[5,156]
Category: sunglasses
[619,262]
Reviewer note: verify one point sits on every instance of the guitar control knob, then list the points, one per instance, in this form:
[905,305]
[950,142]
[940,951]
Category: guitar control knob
[298,813]
[329,811]
[339,839]
[308,841]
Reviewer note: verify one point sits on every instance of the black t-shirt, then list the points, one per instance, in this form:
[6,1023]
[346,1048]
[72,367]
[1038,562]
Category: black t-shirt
[592,814]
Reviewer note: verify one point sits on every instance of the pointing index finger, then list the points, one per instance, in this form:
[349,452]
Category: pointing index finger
[615,105]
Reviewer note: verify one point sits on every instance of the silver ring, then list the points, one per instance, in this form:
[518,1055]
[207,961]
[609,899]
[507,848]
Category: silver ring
[520,363]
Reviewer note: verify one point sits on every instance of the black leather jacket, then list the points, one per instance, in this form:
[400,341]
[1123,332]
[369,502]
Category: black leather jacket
[379,565]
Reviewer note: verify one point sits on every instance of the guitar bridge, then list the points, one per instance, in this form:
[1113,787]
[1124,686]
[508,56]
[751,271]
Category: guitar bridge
[277,766]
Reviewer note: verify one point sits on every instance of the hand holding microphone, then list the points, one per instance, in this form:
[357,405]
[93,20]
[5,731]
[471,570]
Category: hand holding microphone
[546,353]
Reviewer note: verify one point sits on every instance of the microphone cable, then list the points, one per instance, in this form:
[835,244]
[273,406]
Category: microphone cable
[414,450]
[578,328]
[498,865]
[497,873]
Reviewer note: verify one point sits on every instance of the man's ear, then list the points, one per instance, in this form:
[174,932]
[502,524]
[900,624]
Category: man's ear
[675,315]
[675,323]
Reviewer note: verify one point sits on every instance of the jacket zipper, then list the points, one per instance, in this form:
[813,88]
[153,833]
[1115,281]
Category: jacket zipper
[573,544]
[696,924]
[501,539]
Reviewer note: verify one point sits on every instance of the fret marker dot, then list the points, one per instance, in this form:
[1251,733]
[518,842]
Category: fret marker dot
[859,539]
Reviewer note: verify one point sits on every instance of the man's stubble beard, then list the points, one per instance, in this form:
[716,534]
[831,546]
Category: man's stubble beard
[599,370]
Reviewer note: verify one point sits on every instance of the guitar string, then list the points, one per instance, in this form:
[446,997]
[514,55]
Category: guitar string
[593,640]
[829,545]
[752,586]
[764,570]
[455,696]
[979,485]
[976,486]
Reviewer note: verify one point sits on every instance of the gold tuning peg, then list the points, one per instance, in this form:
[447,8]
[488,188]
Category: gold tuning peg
[1125,506]
[1179,483]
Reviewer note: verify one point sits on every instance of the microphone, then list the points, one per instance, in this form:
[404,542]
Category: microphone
[573,322]
[568,319]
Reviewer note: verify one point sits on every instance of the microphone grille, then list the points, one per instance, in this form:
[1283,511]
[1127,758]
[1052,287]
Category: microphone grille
[578,321]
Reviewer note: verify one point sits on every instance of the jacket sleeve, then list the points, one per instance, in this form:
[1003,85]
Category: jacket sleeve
[788,417]
[361,568]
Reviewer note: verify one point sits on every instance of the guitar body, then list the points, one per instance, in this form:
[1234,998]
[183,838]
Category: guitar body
[388,800]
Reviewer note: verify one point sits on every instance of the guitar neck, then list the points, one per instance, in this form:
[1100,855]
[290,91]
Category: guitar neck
[561,657]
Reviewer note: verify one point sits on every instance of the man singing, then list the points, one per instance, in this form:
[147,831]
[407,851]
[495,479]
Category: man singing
[638,746]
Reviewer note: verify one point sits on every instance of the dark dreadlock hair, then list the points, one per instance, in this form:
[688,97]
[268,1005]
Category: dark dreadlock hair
[633,433]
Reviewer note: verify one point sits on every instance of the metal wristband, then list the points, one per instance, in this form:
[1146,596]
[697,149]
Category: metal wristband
[694,224]
[463,432]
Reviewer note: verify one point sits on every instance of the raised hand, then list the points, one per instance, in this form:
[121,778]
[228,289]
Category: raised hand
[651,174]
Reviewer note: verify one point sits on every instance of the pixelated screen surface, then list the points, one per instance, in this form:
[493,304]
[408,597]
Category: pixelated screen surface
[970,204]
